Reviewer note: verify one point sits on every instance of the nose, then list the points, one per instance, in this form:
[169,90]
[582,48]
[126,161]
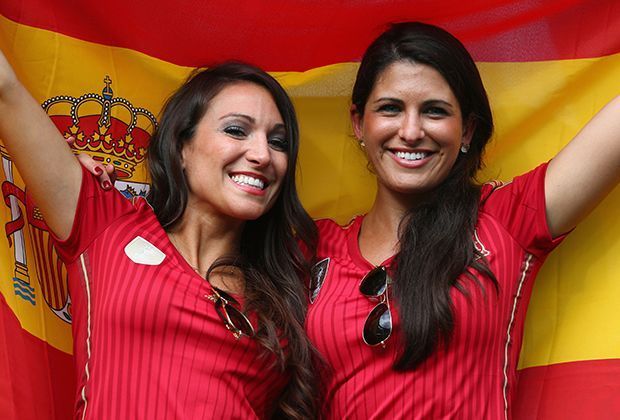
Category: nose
[411,127]
[258,151]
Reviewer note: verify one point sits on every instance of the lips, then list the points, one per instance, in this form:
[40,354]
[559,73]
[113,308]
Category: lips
[410,158]
[252,183]
[249,180]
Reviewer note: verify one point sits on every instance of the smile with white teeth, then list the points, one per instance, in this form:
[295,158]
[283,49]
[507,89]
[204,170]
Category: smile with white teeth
[411,156]
[248,180]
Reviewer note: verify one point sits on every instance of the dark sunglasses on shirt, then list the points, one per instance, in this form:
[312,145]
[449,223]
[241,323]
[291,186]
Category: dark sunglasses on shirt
[234,320]
[378,325]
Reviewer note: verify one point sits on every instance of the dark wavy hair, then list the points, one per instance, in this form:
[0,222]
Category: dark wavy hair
[273,264]
[435,236]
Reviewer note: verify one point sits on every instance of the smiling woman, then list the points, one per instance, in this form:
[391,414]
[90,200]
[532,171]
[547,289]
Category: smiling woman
[450,262]
[189,304]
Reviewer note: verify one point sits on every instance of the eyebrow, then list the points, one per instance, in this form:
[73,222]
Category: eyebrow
[427,102]
[438,102]
[235,115]
[278,126]
[387,99]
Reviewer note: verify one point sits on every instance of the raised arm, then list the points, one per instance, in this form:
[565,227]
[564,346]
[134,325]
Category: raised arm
[43,158]
[584,171]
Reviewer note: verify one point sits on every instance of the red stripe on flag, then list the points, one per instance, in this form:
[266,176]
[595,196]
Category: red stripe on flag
[36,379]
[296,36]
[576,390]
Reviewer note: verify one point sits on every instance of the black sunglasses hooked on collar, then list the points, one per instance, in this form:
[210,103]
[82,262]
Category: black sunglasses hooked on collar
[234,320]
[378,325]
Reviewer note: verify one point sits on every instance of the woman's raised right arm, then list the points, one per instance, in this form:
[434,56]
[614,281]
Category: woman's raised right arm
[50,171]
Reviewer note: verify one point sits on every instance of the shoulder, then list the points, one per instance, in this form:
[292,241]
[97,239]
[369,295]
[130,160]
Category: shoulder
[530,183]
[519,208]
[100,211]
[104,205]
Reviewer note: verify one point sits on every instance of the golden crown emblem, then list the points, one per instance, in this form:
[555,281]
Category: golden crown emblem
[120,140]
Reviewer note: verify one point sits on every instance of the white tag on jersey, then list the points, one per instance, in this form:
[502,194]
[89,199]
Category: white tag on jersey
[141,251]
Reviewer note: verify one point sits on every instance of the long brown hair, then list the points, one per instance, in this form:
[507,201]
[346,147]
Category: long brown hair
[273,264]
[436,235]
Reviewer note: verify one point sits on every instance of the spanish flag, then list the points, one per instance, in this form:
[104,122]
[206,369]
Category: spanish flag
[102,69]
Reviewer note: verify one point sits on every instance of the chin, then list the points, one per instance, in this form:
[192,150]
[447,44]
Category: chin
[248,215]
[412,190]
[249,212]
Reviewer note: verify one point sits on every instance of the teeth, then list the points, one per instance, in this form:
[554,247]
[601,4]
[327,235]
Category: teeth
[248,180]
[411,156]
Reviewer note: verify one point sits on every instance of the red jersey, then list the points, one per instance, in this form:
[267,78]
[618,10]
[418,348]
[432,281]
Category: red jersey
[474,376]
[147,343]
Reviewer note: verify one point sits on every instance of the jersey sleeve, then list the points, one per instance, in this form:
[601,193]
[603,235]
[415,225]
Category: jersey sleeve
[96,210]
[520,207]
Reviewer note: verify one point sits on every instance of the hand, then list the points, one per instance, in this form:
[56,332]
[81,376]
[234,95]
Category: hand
[106,174]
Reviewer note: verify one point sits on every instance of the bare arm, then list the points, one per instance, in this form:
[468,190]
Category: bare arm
[584,171]
[43,158]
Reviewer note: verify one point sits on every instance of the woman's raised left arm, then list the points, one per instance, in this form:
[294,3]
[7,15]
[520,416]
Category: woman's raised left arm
[584,171]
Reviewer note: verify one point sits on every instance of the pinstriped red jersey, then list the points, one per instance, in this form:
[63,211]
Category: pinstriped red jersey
[474,376]
[147,343]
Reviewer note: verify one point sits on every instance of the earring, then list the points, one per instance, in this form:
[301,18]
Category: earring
[361,143]
[464,148]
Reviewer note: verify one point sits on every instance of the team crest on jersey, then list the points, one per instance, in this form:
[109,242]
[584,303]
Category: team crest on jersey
[112,131]
[317,278]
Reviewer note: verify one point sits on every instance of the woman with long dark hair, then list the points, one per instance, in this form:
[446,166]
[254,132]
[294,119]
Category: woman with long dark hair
[418,306]
[189,304]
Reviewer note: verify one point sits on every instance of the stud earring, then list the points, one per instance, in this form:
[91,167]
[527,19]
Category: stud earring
[361,142]
[464,148]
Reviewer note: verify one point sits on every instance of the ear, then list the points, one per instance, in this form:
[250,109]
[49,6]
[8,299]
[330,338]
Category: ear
[356,122]
[469,126]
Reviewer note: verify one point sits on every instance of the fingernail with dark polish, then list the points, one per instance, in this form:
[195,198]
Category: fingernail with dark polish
[107,185]
[98,171]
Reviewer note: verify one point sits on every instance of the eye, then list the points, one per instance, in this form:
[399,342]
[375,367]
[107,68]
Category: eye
[436,111]
[235,131]
[279,143]
[389,108]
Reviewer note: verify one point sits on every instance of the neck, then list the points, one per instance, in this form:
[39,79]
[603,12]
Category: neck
[201,239]
[378,238]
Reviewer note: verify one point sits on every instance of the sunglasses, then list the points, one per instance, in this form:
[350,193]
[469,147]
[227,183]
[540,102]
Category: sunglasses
[378,325]
[234,320]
